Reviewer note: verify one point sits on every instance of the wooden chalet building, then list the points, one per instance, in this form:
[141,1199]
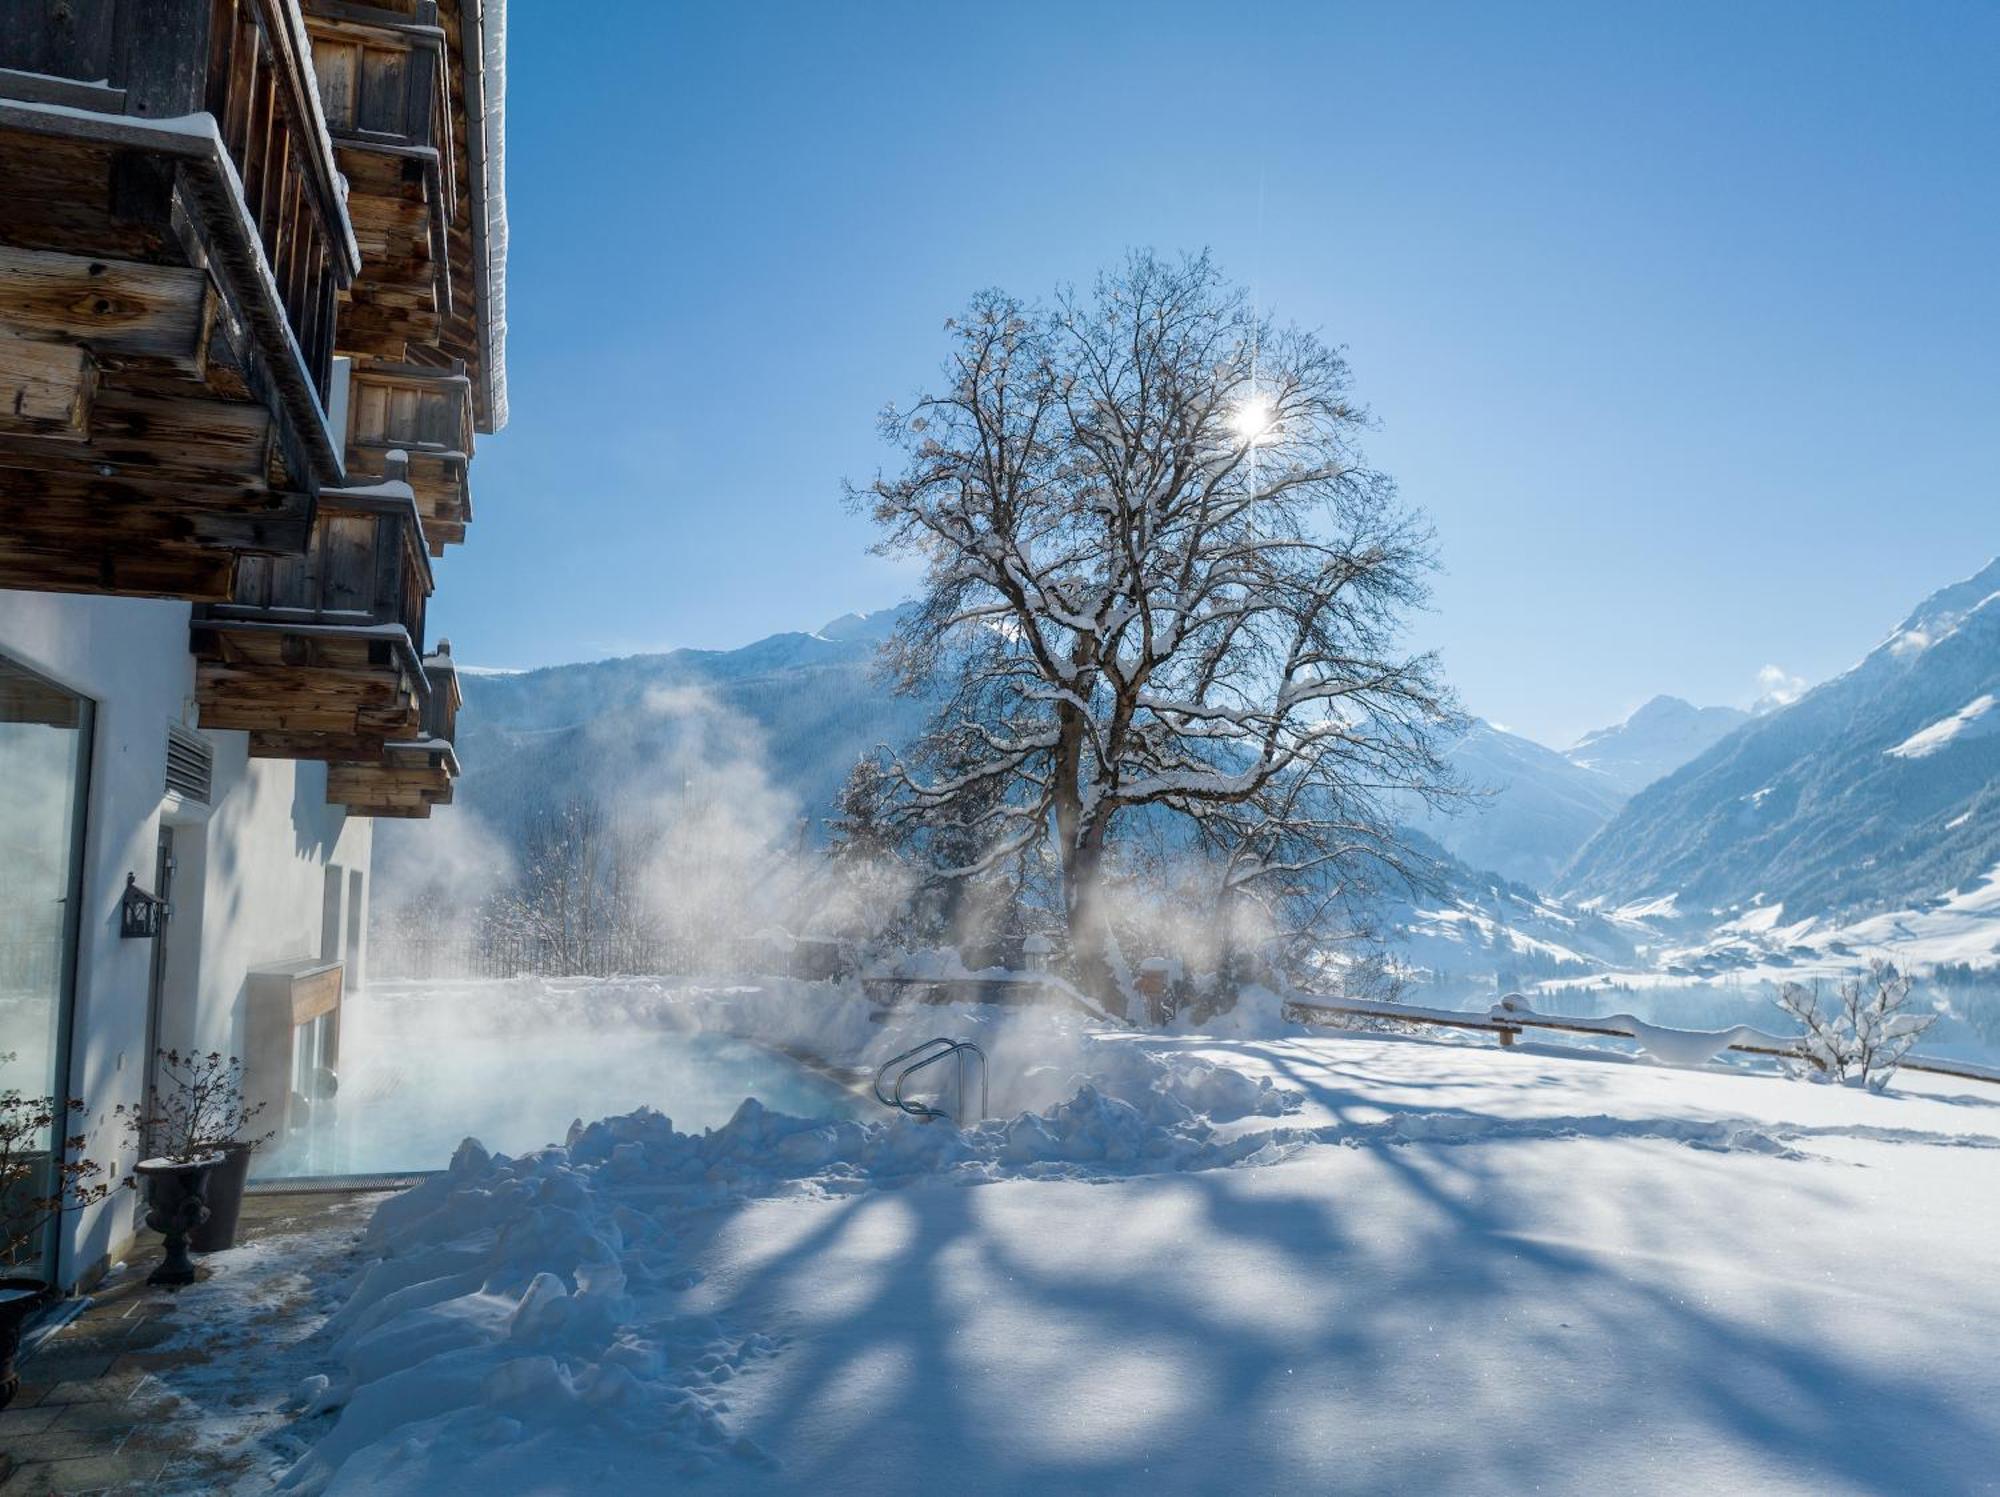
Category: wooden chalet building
[251,323]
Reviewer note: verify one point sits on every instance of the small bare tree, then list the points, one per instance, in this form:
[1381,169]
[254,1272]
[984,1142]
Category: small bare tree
[1160,578]
[559,896]
[868,889]
[1864,1033]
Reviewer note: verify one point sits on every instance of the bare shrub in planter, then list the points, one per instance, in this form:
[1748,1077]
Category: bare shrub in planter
[198,1114]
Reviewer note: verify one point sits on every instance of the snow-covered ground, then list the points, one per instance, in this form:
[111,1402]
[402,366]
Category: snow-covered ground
[1289,1263]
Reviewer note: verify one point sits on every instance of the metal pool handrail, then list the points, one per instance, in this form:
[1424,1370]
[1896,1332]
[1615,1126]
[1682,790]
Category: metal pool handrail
[883,1069]
[938,1049]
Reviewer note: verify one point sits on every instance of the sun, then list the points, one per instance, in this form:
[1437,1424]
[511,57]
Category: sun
[1253,418]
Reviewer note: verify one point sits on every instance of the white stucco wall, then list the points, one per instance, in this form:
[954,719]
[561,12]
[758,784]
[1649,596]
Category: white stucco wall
[251,877]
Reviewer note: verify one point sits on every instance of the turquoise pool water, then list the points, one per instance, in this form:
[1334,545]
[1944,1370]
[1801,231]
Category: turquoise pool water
[406,1099]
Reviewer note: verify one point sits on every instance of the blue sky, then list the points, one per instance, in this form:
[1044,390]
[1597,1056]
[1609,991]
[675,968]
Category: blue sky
[1682,323]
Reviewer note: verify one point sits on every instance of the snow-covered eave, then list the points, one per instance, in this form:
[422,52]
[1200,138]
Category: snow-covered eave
[304,623]
[440,747]
[483,32]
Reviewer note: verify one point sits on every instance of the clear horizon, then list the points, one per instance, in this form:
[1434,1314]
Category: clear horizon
[1681,327]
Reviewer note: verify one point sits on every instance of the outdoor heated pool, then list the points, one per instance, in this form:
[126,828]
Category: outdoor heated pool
[408,1096]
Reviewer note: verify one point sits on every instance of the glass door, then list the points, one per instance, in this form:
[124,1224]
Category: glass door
[44,765]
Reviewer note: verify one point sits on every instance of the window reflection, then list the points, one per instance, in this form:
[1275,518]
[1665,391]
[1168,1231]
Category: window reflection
[44,737]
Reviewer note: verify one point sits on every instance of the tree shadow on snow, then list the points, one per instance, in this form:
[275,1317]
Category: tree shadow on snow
[1412,1319]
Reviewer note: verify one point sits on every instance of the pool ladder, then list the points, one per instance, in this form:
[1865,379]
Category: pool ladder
[929,1053]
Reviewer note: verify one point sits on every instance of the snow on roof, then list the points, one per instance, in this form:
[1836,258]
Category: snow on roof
[492,23]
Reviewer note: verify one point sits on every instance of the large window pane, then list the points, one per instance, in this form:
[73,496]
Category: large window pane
[44,738]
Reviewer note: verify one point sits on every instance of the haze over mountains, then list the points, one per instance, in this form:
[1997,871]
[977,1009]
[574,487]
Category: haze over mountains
[1529,809]
[1654,741]
[1879,790]
[1533,808]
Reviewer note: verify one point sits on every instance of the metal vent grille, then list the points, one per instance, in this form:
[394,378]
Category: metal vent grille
[190,764]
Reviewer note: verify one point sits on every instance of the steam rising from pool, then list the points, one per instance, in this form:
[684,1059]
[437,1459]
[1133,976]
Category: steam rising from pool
[697,852]
[422,1071]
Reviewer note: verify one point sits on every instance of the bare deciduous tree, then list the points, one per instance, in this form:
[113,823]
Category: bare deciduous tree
[1159,577]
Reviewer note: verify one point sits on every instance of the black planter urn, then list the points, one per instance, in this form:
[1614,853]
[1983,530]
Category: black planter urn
[176,1203]
[225,1199]
[19,1298]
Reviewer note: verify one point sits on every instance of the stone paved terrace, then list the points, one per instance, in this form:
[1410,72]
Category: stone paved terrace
[182,1391]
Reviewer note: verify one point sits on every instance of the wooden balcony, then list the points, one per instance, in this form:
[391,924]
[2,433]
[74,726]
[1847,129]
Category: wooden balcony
[475,230]
[172,241]
[412,775]
[319,656]
[426,414]
[384,82]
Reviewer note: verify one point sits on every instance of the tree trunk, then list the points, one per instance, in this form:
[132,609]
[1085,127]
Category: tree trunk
[1089,930]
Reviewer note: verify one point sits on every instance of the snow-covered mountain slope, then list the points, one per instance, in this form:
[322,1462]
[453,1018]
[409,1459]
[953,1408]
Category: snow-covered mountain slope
[1878,790]
[1654,741]
[1961,929]
[1469,930]
[1530,808]
[794,711]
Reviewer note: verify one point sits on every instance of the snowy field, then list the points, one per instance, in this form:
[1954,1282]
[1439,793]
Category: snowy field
[1289,1263]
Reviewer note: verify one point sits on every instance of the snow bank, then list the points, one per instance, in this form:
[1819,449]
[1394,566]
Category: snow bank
[527,1302]
[526,1314]
[536,1323]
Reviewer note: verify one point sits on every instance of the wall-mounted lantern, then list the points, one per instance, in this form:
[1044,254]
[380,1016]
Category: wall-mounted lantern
[139,913]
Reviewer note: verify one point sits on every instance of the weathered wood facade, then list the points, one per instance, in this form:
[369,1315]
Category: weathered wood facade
[413,774]
[226,226]
[384,81]
[172,241]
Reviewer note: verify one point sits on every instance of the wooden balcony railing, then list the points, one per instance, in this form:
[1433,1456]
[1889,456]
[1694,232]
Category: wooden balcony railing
[382,75]
[385,81]
[411,775]
[447,696]
[364,567]
[320,656]
[258,87]
[426,414]
[175,146]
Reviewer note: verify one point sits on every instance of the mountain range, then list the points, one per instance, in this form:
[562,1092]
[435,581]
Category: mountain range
[1527,809]
[1531,809]
[1878,790]
[1653,742]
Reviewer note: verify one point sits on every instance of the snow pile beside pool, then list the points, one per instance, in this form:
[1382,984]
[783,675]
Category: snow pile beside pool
[525,1303]
[506,1313]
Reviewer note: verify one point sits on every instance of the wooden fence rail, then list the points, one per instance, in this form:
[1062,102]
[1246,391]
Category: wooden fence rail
[1509,1021]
